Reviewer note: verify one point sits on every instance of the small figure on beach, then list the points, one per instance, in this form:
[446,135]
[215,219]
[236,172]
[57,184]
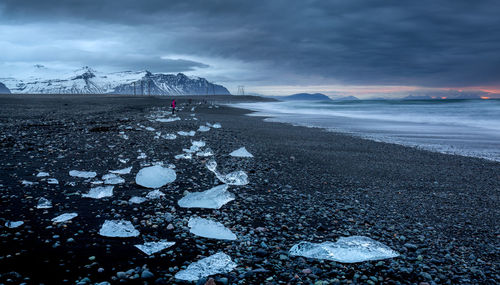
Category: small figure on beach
[173,106]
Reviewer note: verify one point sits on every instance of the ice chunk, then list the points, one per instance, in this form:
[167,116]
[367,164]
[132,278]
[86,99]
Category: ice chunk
[141,155]
[212,165]
[13,225]
[203,129]
[166,120]
[169,136]
[346,250]
[184,156]
[183,133]
[42,174]
[199,144]
[64,217]
[213,198]
[235,178]
[155,246]
[205,153]
[155,194]
[216,126]
[52,181]
[112,179]
[155,176]
[210,229]
[99,192]
[43,203]
[150,129]
[27,183]
[122,171]
[241,152]
[214,264]
[118,228]
[137,200]
[82,174]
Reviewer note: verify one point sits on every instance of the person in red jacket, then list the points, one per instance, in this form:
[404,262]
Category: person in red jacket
[173,106]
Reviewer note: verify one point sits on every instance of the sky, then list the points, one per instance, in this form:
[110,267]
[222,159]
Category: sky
[272,47]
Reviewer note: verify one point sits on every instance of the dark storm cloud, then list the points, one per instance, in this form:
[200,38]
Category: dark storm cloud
[423,43]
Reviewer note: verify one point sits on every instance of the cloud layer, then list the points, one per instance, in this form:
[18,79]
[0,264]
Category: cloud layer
[407,43]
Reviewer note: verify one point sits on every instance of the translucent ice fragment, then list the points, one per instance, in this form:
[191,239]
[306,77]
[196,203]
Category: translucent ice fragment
[52,181]
[137,200]
[216,126]
[346,250]
[241,152]
[183,133]
[42,174]
[82,174]
[155,194]
[155,246]
[184,156]
[43,203]
[214,264]
[122,171]
[118,228]
[203,129]
[213,198]
[205,153]
[235,178]
[155,176]
[13,225]
[166,120]
[169,136]
[99,192]
[112,179]
[64,217]
[210,229]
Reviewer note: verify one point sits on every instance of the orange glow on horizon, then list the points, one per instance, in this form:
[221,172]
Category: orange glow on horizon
[444,97]
[485,97]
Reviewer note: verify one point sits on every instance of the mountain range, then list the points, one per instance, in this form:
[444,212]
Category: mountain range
[88,81]
[313,97]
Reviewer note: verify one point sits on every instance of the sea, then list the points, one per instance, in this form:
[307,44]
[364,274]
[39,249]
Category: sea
[463,127]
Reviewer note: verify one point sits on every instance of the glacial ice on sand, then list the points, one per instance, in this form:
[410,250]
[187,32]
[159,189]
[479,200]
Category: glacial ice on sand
[42,174]
[122,171]
[44,203]
[166,120]
[198,144]
[203,129]
[155,176]
[184,156]
[112,179]
[169,136]
[234,178]
[183,133]
[154,246]
[118,228]
[346,250]
[205,153]
[13,225]
[155,194]
[82,174]
[137,200]
[64,217]
[213,198]
[214,264]
[27,183]
[52,181]
[99,192]
[241,152]
[216,126]
[210,229]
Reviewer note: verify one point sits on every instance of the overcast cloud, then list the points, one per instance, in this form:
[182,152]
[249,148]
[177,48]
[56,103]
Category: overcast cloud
[261,43]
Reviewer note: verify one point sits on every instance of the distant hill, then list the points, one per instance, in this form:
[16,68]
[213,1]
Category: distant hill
[346,98]
[306,96]
[4,89]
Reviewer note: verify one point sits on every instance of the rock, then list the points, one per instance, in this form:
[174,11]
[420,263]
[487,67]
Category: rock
[146,274]
[307,271]
[121,275]
[210,281]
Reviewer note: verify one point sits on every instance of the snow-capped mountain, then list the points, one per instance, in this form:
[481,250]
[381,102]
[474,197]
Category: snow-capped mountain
[4,89]
[88,81]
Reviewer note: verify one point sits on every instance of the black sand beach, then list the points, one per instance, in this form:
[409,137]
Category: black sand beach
[440,212]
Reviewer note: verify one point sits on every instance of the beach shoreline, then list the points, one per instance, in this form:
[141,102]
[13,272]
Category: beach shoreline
[439,211]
